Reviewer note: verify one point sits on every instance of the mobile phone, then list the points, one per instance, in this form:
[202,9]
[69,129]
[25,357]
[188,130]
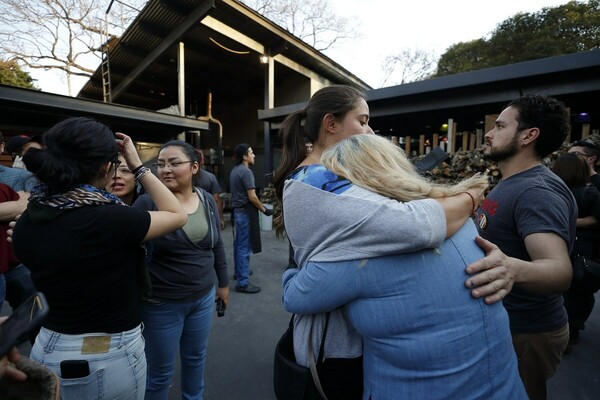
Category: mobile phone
[23,320]
[71,369]
[220,307]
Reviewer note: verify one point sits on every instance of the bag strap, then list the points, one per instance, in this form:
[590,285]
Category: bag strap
[311,357]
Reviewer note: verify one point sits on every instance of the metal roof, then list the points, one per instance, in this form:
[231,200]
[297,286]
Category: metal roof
[32,111]
[467,97]
[143,64]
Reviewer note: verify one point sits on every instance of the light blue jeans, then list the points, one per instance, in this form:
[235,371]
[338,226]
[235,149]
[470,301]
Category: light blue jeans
[119,373]
[242,249]
[168,325]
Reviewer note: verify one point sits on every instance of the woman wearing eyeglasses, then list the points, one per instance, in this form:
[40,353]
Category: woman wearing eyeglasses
[184,266]
[123,184]
[84,249]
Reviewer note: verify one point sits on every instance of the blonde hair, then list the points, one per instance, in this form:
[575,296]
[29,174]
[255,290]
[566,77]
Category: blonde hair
[374,163]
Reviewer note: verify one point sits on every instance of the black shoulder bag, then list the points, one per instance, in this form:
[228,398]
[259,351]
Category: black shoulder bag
[292,381]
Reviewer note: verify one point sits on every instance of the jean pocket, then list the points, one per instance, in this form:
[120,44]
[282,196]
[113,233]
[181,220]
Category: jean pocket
[88,387]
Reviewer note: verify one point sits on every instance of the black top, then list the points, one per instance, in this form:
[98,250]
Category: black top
[86,261]
[588,203]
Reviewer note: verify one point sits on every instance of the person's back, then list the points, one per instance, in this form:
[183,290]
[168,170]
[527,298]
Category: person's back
[424,335]
[83,246]
[91,254]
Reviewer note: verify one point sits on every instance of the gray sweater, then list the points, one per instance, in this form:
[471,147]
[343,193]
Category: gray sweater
[357,224]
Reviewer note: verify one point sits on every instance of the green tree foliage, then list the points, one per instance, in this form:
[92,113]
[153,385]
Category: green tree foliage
[552,31]
[11,74]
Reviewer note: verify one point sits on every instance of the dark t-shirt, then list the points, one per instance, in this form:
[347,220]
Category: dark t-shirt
[86,262]
[241,180]
[588,203]
[533,201]
[208,182]
[595,180]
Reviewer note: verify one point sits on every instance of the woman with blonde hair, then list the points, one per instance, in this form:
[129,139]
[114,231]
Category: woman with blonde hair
[424,336]
[313,194]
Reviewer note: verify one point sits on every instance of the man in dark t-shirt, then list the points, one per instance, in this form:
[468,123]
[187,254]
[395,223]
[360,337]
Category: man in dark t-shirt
[245,204]
[530,216]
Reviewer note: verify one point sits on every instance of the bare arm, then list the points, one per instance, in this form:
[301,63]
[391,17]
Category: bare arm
[220,208]
[587,222]
[548,272]
[458,208]
[170,214]
[255,201]
[10,209]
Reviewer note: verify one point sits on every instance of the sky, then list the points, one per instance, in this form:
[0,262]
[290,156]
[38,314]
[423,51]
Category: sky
[386,27]
[389,26]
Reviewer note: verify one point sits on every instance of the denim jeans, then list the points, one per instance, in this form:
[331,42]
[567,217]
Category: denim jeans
[167,326]
[119,373]
[242,248]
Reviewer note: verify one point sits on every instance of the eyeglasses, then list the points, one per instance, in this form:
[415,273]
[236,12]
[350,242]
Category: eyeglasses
[578,153]
[124,170]
[172,165]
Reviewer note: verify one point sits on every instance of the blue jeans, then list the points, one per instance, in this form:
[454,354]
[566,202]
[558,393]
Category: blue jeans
[242,249]
[168,325]
[119,372]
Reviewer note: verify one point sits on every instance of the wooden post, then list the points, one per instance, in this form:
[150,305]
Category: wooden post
[472,141]
[585,130]
[450,143]
[465,141]
[436,139]
[479,137]
[421,144]
[407,145]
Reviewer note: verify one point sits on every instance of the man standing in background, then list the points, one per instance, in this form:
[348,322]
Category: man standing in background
[245,204]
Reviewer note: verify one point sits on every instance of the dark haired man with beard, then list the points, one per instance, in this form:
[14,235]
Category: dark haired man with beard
[530,217]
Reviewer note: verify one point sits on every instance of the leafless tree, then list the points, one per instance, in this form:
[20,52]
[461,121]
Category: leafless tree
[313,21]
[409,65]
[64,35]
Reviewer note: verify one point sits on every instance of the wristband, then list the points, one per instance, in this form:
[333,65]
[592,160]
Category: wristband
[135,170]
[472,202]
[141,171]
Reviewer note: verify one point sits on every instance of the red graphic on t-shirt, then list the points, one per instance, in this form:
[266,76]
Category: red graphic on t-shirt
[489,206]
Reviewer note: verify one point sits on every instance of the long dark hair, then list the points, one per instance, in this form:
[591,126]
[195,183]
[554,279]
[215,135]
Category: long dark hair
[76,149]
[305,124]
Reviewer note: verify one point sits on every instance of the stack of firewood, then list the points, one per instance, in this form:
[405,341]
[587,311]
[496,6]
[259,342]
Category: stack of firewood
[267,195]
[463,164]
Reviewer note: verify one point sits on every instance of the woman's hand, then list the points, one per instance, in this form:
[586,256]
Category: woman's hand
[9,232]
[128,150]
[7,367]
[223,293]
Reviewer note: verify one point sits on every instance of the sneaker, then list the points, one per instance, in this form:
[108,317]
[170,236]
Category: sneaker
[250,289]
